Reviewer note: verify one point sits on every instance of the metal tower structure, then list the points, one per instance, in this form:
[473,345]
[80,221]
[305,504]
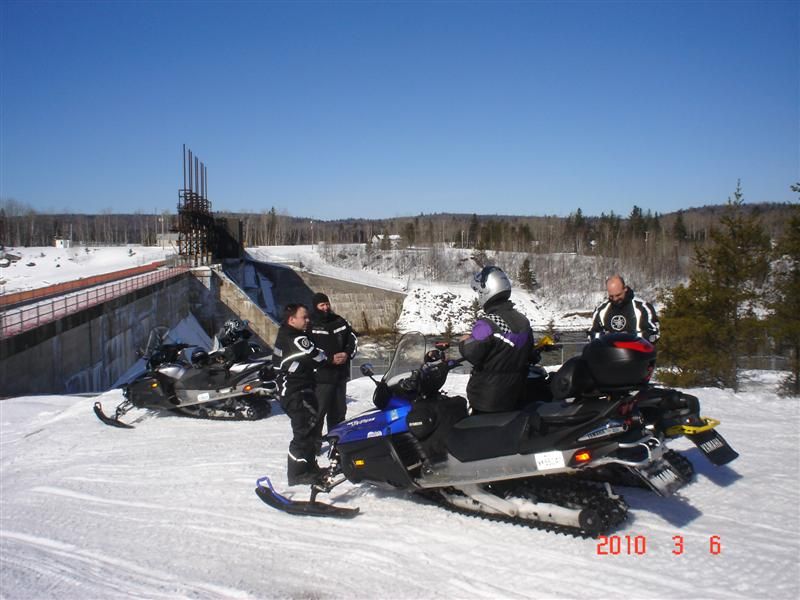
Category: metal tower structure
[195,221]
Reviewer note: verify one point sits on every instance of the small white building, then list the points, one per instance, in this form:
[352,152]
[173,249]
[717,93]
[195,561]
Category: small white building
[62,243]
[394,239]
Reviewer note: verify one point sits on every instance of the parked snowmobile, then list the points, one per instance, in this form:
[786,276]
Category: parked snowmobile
[232,382]
[666,413]
[518,466]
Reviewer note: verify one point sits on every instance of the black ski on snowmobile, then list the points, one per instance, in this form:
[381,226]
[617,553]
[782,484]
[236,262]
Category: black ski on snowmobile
[312,507]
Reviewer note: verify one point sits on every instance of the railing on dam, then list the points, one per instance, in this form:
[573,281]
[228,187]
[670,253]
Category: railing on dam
[59,289]
[19,320]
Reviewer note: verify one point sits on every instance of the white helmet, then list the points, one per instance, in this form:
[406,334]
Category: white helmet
[491,283]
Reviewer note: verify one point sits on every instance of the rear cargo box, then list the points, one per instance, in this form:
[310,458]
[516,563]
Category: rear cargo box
[620,359]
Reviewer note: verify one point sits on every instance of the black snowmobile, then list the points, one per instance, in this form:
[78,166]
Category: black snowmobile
[525,466]
[666,413]
[231,382]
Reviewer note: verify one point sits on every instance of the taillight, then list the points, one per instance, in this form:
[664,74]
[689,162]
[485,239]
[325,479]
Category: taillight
[582,456]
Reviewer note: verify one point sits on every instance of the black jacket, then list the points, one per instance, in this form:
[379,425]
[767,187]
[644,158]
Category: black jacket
[499,349]
[295,358]
[632,316]
[331,334]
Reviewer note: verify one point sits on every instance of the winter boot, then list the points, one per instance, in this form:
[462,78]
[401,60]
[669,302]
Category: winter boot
[301,471]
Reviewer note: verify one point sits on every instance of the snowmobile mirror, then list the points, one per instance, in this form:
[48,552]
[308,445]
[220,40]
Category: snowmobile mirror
[366,370]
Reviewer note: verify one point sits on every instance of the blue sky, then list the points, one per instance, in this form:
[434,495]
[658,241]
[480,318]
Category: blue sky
[381,109]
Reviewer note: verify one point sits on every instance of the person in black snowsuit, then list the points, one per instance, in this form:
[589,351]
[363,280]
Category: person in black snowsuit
[624,312]
[332,334]
[296,357]
[500,346]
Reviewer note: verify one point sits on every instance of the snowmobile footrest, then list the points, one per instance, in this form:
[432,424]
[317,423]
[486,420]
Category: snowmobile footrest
[98,410]
[268,495]
[714,446]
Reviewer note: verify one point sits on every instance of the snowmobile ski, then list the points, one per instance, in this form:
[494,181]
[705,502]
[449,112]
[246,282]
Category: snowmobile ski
[113,421]
[268,495]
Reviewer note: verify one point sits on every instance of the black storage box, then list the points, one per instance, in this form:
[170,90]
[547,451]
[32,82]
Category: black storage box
[619,359]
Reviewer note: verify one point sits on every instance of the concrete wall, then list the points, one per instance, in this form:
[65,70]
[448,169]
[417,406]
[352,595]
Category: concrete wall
[235,300]
[89,350]
[368,309]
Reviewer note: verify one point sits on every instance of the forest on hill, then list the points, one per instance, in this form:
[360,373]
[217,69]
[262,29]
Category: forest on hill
[657,246]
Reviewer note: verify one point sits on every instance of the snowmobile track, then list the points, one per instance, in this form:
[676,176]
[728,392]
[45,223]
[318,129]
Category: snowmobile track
[564,491]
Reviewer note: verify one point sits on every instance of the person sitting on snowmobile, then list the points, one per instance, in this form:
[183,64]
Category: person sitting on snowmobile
[499,346]
[296,358]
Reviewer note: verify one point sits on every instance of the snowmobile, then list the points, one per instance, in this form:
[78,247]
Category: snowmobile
[231,382]
[522,466]
[666,413]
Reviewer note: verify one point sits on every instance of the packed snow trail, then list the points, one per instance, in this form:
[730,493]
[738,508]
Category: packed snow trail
[168,510]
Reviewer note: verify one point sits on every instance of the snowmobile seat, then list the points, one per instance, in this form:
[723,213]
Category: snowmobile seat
[564,413]
[488,435]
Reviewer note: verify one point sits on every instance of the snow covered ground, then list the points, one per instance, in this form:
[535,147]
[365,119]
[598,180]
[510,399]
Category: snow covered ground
[56,265]
[168,510]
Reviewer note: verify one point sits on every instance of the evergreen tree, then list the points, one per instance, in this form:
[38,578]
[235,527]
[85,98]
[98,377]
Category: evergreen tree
[711,322]
[448,331]
[472,235]
[410,233]
[679,227]
[527,278]
[474,309]
[784,324]
[636,221]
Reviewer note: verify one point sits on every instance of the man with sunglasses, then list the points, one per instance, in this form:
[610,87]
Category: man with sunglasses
[623,312]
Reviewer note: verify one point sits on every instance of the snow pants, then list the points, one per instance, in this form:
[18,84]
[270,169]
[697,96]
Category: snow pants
[302,409]
[332,399]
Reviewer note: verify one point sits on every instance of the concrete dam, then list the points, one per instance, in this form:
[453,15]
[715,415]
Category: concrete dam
[87,351]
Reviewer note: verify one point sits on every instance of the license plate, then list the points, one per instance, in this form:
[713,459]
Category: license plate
[549,460]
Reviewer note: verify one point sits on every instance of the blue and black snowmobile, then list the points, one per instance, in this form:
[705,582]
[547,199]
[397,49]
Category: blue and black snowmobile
[536,466]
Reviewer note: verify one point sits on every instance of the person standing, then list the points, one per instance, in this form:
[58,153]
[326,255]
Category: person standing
[296,357]
[499,347]
[623,312]
[334,335]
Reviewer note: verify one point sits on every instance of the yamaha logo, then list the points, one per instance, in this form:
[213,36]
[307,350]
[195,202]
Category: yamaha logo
[610,428]
[711,445]
[618,322]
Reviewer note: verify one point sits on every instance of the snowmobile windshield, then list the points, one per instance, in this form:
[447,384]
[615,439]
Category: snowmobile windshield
[157,338]
[408,357]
